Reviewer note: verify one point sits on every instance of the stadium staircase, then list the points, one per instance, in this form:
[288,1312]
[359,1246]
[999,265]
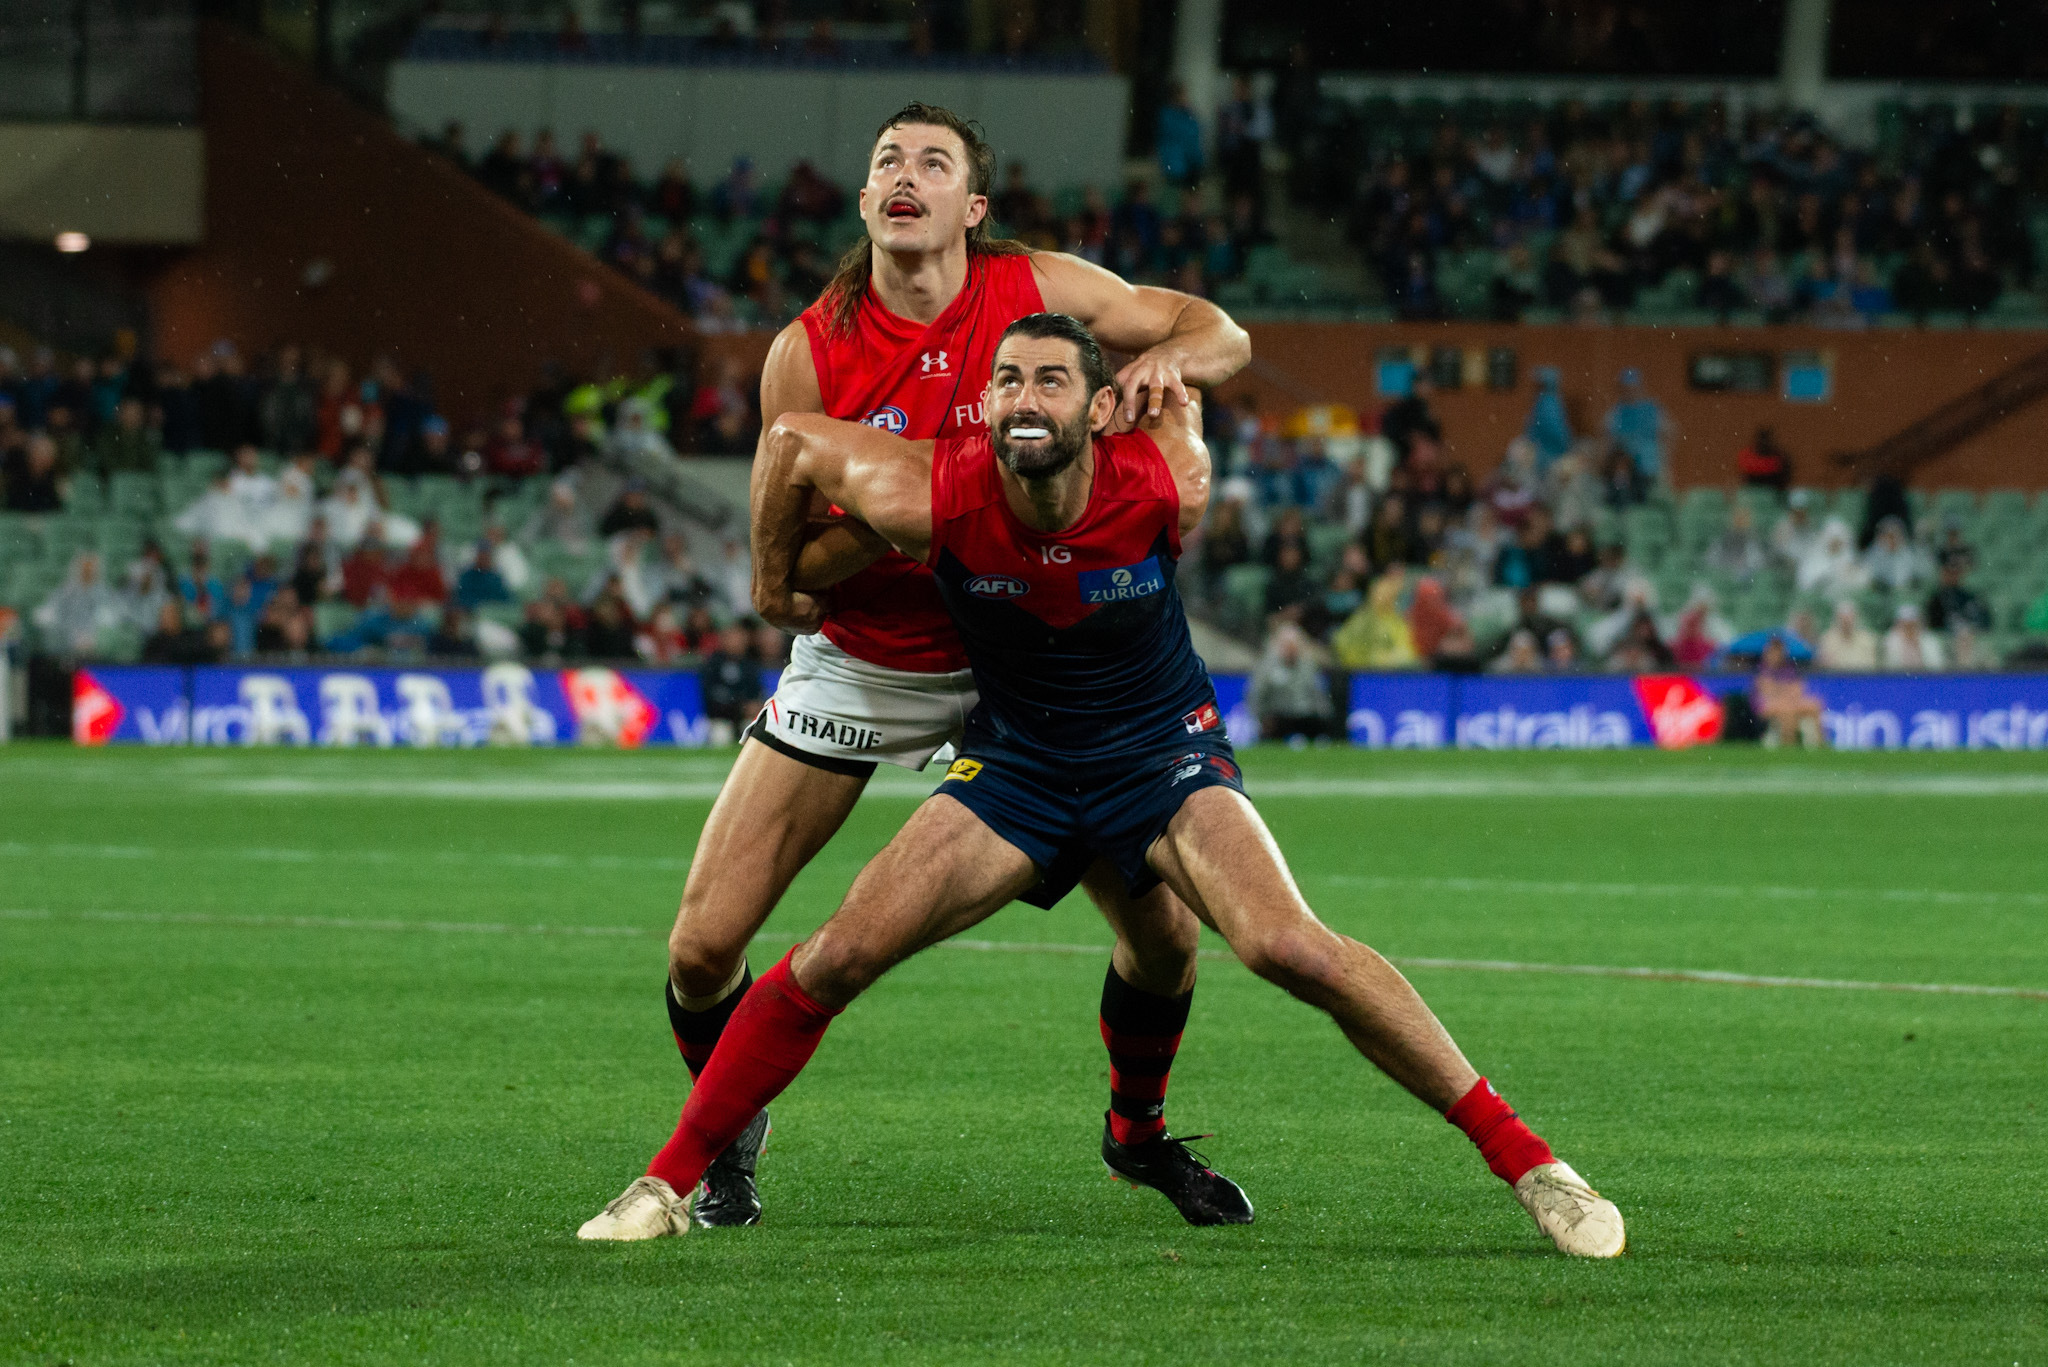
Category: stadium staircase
[1954,423]
[325,226]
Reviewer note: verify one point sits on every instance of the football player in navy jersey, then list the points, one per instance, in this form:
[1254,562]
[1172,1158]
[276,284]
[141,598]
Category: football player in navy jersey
[1096,737]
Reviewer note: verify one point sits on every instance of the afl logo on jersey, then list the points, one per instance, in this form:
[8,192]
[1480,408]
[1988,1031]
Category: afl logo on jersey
[890,419]
[997,587]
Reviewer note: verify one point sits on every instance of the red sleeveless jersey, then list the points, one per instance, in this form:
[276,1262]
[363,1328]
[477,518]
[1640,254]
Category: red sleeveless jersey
[918,381]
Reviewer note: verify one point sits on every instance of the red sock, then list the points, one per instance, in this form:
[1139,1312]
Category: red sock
[1509,1147]
[769,1039]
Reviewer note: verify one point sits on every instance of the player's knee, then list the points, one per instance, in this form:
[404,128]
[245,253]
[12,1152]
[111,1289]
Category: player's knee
[836,967]
[1166,946]
[1301,958]
[701,964]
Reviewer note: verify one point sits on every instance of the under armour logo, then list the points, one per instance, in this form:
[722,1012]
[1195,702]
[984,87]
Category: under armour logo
[934,362]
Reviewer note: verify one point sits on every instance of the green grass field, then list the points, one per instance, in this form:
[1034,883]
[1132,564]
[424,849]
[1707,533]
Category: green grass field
[323,1057]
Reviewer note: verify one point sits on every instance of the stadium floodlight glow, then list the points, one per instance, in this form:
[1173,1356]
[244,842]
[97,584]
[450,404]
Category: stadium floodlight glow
[72,242]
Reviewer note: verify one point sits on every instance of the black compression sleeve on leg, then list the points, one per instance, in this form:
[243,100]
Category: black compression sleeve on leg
[697,1032]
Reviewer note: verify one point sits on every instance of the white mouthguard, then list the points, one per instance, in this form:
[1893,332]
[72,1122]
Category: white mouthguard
[1029,433]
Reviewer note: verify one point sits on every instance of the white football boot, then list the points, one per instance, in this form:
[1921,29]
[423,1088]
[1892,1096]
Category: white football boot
[1578,1219]
[649,1209]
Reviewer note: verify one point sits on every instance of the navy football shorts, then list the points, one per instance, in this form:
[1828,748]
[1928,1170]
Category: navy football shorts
[1064,813]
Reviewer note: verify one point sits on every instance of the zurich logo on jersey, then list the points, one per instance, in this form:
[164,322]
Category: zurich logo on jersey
[890,419]
[997,587]
[1122,584]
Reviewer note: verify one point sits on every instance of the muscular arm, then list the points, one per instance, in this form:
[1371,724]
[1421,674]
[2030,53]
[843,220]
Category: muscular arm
[884,481]
[1178,432]
[815,558]
[1177,339]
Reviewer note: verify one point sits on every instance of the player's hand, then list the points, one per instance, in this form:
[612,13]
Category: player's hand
[1149,382]
[800,613]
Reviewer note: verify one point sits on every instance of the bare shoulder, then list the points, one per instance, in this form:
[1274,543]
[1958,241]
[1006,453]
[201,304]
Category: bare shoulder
[1069,284]
[789,377]
[1177,432]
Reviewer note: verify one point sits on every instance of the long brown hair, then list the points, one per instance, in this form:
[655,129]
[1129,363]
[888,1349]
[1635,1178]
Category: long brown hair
[849,285]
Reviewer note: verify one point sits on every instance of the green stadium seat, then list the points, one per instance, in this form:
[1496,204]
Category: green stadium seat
[1325,543]
[844,233]
[1704,499]
[1959,505]
[131,491]
[402,495]
[1244,592]
[331,619]
[2002,505]
[507,615]
[1764,505]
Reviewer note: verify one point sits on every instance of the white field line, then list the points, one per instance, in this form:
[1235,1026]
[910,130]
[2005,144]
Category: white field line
[1495,887]
[268,855]
[890,784]
[1685,975]
[1498,887]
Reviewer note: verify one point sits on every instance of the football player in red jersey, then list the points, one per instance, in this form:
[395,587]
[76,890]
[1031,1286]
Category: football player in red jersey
[902,340]
[1092,736]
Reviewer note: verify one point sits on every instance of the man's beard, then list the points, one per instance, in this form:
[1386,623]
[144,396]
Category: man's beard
[1060,450]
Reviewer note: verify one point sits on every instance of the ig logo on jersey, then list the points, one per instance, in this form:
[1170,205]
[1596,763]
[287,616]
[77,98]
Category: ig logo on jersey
[890,419]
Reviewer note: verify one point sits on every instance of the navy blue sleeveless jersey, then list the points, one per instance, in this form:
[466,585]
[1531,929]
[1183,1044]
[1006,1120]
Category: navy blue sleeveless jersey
[1097,720]
[1078,638]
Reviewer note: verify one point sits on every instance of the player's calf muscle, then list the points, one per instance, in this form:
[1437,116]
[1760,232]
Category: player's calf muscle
[771,819]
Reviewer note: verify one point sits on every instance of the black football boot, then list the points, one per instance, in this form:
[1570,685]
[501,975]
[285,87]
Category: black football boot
[727,1195]
[1202,1195]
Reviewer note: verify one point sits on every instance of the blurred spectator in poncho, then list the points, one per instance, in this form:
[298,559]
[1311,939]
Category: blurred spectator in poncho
[1638,426]
[1549,429]
[1288,692]
[1831,566]
[1894,562]
[1909,646]
[1377,636]
[1848,644]
[78,612]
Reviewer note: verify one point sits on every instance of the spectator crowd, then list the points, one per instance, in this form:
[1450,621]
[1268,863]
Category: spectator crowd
[1677,206]
[1348,549]
[220,510]
[743,253]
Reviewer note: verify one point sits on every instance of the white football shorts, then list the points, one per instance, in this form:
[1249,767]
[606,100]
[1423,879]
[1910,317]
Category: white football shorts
[846,715]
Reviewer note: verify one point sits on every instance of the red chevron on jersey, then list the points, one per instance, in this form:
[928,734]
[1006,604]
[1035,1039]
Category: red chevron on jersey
[918,381]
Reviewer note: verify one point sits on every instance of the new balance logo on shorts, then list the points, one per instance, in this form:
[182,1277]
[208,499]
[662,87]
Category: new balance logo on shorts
[830,730]
[1203,718]
[1187,766]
